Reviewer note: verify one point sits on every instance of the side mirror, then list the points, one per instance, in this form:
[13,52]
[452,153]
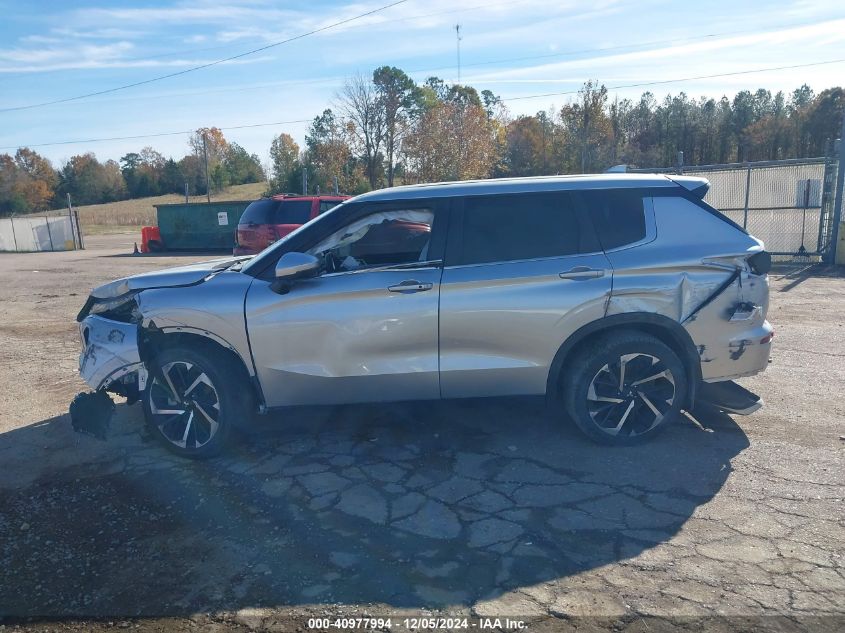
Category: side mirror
[296,266]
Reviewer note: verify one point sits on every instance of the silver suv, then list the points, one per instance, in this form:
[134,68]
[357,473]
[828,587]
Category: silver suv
[623,298]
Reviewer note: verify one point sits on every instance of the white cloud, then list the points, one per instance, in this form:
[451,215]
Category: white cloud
[741,48]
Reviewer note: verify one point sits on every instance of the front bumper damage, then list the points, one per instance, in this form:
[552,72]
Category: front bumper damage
[109,362]
[110,351]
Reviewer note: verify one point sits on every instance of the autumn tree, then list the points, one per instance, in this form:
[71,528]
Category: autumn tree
[27,182]
[11,197]
[453,138]
[91,182]
[210,146]
[525,153]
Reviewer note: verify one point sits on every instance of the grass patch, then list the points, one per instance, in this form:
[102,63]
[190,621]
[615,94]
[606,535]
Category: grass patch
[127,216]
[111,229]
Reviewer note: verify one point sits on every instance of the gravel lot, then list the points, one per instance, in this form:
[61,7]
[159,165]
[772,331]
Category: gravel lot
[467,508]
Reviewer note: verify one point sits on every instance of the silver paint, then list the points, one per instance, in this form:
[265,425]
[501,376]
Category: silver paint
[424,332]
[111,350]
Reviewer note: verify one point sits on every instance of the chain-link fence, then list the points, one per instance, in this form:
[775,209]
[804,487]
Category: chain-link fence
[789,204]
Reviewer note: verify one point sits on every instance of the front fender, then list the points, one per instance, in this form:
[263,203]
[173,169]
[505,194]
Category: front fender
[109,350]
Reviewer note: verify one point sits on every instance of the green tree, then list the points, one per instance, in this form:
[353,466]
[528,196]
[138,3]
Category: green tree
[398,97]
[241,167]
[172,180]
[285,165]
[91,182]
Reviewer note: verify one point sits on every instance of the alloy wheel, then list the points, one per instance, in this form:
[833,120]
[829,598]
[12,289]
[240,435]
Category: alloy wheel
[630,396]
[184,405]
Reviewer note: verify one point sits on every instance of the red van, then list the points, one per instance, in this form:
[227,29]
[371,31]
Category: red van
[270,219]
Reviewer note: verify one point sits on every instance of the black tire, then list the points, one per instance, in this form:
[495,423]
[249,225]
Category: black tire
[639,409]
[209,390]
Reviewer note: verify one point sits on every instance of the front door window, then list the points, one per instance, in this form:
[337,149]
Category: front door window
[376,240]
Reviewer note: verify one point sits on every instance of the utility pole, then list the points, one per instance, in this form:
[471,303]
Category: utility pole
[458,36]
[838,196]
[304,182]
[205,153]
[186,192]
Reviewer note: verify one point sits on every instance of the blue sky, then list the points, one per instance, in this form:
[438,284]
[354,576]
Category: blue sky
[52,50]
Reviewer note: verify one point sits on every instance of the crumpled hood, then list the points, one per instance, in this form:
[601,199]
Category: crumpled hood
[167,278]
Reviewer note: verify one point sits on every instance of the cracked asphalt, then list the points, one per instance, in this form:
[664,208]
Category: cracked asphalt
[479,508]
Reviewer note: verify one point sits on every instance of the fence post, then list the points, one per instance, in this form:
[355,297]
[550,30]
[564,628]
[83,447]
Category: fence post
[747,196]
[79,230]
[830,257]
[14,237]
[72,232]
[49,233]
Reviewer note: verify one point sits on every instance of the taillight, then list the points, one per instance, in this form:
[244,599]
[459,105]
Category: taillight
[270,234]
[760,263]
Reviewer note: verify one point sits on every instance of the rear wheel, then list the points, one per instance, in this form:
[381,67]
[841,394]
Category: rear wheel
[193,401]
[625,388]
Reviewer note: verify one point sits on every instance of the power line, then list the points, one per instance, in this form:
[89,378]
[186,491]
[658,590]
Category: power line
[547,94]
[209,64]
[670,81]
[155,135]
[420,71]
[23,73]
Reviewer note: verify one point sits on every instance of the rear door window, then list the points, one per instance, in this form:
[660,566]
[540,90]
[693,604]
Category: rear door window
[618,215]
[293,212]
[521,226]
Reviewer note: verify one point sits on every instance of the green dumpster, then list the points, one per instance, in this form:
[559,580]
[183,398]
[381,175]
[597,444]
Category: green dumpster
[200,225]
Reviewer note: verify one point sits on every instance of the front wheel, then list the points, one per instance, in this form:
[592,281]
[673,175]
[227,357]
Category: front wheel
[625,388]
[193,401]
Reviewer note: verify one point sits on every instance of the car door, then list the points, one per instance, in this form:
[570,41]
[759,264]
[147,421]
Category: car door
[366,328]
[522,272]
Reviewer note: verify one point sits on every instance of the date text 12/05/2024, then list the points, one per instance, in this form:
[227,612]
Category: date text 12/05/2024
[417,623]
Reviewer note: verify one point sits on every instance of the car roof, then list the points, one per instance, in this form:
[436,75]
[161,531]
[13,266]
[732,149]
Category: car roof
[524,185]
[293,196]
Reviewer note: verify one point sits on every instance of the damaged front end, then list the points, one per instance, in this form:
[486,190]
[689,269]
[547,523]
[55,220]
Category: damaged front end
[110,360]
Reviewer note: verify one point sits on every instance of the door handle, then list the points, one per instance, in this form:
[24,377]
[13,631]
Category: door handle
[582,272]
[410,285]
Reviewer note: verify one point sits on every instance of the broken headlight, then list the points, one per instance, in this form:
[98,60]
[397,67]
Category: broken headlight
[123,308]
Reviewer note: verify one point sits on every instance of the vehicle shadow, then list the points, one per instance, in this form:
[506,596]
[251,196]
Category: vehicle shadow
[406,506]
[221,252]
[799,275]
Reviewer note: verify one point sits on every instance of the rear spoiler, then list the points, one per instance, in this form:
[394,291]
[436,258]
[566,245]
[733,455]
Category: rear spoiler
[695,185]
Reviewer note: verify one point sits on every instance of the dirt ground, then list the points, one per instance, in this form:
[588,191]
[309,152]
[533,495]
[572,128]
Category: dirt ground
[471,509]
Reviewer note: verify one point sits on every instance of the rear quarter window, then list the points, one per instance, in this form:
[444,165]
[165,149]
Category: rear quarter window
[618,215]
[259,212]
[325,205]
